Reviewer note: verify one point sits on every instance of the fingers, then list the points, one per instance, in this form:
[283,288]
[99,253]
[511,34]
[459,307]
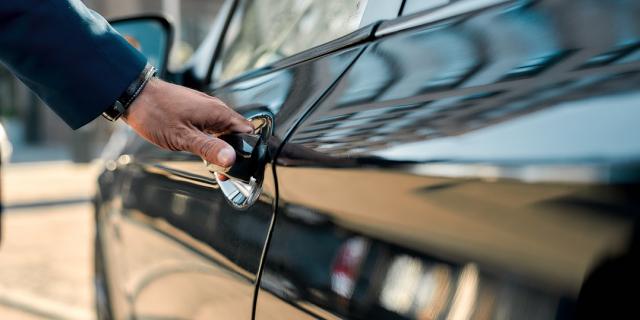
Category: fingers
[211,149]
[225,118]
[243,126]
[177,118]
[237,123]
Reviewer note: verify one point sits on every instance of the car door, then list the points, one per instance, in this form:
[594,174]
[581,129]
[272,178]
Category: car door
[475,162]
[186,249]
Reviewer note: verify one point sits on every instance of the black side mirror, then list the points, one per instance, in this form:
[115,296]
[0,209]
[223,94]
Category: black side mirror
[152,35]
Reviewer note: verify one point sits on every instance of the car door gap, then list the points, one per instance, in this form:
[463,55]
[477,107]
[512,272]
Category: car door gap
[274,158]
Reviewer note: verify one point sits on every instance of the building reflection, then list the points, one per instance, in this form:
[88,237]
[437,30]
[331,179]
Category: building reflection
[472,73]
[488,161]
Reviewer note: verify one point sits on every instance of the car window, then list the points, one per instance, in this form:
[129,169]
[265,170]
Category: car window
[264,31]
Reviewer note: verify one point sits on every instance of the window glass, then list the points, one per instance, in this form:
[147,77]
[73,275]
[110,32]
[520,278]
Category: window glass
[264,31]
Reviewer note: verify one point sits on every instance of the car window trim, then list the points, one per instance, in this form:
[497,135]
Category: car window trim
[364,34]
[434,15]
[359,36]
[217,53]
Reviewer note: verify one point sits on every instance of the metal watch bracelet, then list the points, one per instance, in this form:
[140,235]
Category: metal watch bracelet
[128,96]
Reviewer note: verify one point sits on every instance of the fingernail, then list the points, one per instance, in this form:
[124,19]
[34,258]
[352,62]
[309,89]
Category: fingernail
[226,156]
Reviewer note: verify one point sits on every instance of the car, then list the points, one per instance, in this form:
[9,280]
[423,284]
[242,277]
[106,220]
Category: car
[470,159]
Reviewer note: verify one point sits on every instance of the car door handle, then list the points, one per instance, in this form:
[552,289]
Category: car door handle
[242,182]
[250,156]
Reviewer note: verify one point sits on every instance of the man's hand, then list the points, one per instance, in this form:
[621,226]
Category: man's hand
[181,119]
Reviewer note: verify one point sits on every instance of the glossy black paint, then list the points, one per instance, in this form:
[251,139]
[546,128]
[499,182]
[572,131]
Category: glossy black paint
[481,166]
[166,226]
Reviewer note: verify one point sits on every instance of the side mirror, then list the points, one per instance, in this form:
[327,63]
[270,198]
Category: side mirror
[152,35]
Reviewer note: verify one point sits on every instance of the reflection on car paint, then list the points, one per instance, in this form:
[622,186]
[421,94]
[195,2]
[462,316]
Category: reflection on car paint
[490,162]
[163,210]
[346,267]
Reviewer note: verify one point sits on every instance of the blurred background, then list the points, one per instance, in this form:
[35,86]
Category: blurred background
[37,134]
[46,254]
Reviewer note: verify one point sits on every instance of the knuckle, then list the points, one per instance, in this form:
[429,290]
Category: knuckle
[182,139]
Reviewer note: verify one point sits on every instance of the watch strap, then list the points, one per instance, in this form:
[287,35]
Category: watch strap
[123,102]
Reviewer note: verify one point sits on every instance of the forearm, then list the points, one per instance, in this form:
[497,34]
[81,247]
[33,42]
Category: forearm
[80,67]
[68,55]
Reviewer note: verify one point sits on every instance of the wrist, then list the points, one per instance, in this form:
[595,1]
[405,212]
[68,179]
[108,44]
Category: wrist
[148,96]
[132,92]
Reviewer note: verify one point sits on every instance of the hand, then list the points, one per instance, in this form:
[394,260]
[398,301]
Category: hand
[181,119]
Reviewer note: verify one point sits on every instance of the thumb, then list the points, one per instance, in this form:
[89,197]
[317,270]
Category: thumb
[212,149]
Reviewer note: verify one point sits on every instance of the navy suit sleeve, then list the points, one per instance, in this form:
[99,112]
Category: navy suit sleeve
[68,55]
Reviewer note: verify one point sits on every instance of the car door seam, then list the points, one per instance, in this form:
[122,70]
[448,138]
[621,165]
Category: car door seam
[274,158]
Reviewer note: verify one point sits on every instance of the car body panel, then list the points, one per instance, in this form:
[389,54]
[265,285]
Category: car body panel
[179,249]
[460,164]
[479,166]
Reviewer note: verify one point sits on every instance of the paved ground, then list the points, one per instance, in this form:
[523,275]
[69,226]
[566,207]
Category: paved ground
[46,251]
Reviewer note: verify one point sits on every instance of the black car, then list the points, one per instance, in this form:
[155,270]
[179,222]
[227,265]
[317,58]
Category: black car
[469,159]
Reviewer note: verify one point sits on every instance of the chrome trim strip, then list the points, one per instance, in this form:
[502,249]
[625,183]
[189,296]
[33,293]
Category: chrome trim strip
[455,9]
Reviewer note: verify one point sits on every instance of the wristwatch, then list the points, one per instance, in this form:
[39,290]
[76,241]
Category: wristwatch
[124,101]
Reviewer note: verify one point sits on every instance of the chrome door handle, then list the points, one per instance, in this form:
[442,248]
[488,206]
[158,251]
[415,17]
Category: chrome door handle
[242,182]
